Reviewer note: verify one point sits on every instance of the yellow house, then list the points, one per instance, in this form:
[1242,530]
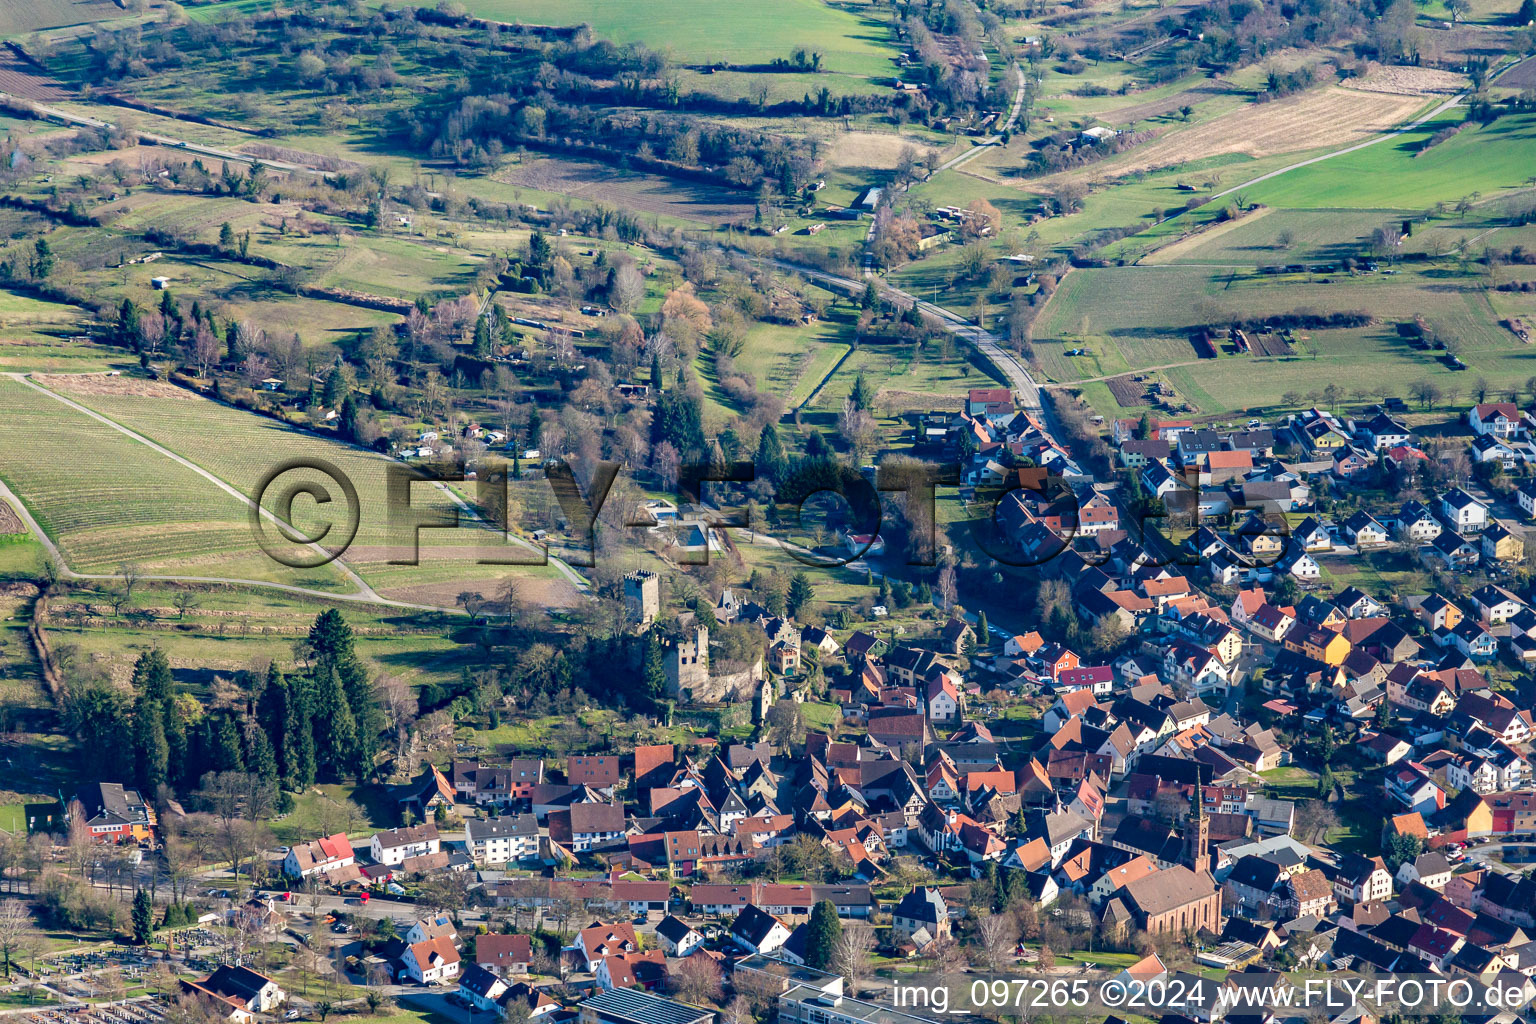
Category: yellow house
[1228,647]
[1321,644]
[1263,544]
[1334,620]
[1480,819]
[1501,545]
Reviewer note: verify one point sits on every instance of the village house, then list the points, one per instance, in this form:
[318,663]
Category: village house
[1429,869]
[318,857]
[1496,419]
[115,814]
[920,917]
[1464,513]
[677,938]
[758,931]
[1361,879]
[396,845]
[504,955]
[1500,544]
[1417,523]
[502,840]
[599,940]
[481,988]
[583,826]
[237,993]
[431,961]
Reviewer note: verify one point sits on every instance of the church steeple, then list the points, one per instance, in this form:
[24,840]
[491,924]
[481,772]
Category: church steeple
[1197,831]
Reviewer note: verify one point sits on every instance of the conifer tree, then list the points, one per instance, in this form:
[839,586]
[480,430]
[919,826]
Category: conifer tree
[143,918]
[151,755]
[823,933]
[224,752]
[654,673]
[260,760]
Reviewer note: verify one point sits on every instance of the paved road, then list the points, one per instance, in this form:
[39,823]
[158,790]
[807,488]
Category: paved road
[162,140]
[1019,377]
[981,145]
[1479,855]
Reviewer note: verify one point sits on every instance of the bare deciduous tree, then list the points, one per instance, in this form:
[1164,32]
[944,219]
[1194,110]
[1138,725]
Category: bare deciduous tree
[998,934]
[850,957]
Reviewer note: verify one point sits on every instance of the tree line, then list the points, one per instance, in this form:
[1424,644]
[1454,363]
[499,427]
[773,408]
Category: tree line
[322,722]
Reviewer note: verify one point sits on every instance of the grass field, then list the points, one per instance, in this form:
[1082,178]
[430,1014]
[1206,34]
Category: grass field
[1279,237]
[1137,318]
[853,38]
[900,377]
[1481,159]
[13,818]
[250,446]
[116,501]
[226,631]
[240,292]
[790,361]
[23,316]
[316,813]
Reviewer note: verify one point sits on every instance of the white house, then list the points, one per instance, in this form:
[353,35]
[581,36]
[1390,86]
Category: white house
[1466,513]
[396,845]
[943,699]
[1526,496]
[1363,529]
[677,938]
[433,962]
[319,856]
[1431,869]
[480,988]
[1417,523]
[1362,879]
[604,940]
[1193,668]
[1497,419]
[429,928]
[1299,564]
[758,931]
[1495,604]
[500,840]
[1469,771]
[239,992]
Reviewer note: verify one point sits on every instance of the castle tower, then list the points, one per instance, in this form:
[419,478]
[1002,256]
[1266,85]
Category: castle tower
[687,664]
[642,597]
